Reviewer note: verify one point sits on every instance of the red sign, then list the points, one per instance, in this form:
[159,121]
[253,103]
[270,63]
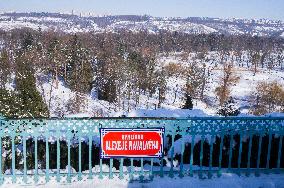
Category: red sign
[117,143]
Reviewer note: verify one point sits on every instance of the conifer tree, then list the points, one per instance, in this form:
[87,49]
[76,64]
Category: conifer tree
[32,103]
[11,104]
[229,108]
[188,103]
[5,66]
[79,70]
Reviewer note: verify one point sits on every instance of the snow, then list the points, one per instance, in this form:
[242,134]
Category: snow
[274,114]
[79,115]
[226,180]
[51,19]
[57,95]
[9,25]
[177,113]
[65,23]
[186,140]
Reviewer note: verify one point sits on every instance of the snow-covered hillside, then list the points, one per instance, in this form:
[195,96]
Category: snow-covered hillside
[58,95]
[72,24]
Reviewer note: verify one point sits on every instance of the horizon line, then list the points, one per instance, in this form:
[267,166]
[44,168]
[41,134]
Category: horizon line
[91,14]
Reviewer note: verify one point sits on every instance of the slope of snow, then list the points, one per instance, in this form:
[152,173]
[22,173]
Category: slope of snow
[177,113]
[9,25]
[72,24]
[58,97]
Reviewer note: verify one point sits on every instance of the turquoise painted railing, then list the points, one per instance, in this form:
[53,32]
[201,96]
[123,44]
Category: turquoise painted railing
[67,149]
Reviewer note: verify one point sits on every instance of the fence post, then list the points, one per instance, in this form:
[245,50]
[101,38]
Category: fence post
[1,158]
[191,154]
[240,154]
[182,154]
[249,154]
[58,156]
[219,173]
[121,169]
[210,157]
[36,161]
[279,153]
[47,178]
[90,157]
[171,174]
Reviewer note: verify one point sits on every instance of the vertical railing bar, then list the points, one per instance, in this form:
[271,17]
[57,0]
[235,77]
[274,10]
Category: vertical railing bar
[172,156]
[162,161]
[258,154]
[90,157]
[152,164]
[249,153]
[191,155]
[131,169]
[279,153]
[230,151]
[121,169]
[141,176]
[201,156]
[13,160]
[47,159]
[1,157]
[80,158]
[240,153]
[210,159]
[25,158]
[220,155]
[182,155]
[58,159]
[110,168]
[268,151]
[36,161]
[162,165]
[1,173]
[101,169]
[69,159]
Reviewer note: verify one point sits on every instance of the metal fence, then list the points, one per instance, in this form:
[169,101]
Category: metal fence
[69,148]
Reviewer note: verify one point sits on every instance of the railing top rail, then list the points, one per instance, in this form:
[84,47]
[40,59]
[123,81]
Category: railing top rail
[153,118]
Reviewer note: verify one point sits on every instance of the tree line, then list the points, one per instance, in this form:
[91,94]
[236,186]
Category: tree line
[122,66]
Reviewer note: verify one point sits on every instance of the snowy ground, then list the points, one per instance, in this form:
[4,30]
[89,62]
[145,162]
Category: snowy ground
[57,94]
[225,181]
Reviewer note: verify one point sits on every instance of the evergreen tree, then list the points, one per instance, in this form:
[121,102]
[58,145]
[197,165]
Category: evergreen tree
[27,40]
[105,80]
[11,104]
[229,108]
[4,68]
[162,87]
[79,74]
[32,103]
[188,103]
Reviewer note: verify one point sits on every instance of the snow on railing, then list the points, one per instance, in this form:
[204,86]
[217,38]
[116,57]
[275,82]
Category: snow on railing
[67,149]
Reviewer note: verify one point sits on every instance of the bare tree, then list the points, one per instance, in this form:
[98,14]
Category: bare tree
[227,79]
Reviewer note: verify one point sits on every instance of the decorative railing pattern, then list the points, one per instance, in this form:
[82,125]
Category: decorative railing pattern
[67,149]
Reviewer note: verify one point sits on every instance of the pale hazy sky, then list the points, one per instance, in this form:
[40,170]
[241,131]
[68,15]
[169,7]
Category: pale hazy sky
[272,9]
